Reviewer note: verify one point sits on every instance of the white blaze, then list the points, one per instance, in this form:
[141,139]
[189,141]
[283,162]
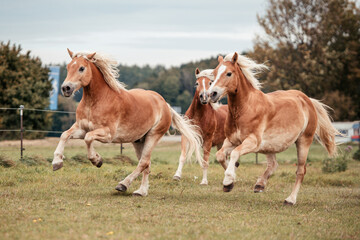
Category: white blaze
[222,69]
[203,82]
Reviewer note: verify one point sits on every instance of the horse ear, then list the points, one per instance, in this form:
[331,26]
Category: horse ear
[220,58]
[91,55]
[197,71]
[70,53]
[235,58]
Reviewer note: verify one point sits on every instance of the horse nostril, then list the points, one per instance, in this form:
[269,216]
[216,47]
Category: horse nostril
[202,95]
[65,88]
[213,94]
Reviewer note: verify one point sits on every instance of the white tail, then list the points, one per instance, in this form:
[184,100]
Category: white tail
[325,131]
[192,134]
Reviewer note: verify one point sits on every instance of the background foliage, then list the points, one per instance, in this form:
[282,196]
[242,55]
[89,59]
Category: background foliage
[309,45]
[313,46]
[23,80]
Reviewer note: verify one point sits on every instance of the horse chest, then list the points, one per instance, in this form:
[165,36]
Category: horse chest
[236,137]
[87,125]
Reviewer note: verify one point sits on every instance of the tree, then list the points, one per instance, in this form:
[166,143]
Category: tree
[313,46]
[23,81]
[167,85]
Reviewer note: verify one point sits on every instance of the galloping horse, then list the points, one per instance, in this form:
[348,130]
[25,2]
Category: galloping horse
[110,113]
[209,117]
[266,123]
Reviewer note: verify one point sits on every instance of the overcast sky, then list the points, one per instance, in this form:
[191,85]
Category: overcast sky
[133,32]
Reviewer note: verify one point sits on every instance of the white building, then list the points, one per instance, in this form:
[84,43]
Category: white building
[349,131]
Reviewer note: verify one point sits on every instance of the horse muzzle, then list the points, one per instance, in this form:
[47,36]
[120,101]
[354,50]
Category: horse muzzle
[203,98]
[67,89]
[215,94]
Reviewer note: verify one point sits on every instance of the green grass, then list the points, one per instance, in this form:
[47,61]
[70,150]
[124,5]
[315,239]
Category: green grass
[79,201]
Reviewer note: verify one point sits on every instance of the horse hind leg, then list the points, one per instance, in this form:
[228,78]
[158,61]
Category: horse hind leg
[303,146]
[143,167]
[270,169]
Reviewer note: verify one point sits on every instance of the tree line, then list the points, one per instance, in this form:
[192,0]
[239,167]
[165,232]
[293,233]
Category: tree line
[309,45]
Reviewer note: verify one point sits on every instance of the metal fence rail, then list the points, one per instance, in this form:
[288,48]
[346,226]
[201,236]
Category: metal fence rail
[22,130]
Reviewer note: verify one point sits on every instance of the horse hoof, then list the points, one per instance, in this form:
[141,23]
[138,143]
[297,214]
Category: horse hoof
[228,188]
[176,178]
[287,203]
[237,164]
[99,164]
[258,188]
[135,194]
[121,188]
[57,166]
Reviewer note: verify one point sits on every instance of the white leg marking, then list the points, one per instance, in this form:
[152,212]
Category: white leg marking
[182,160]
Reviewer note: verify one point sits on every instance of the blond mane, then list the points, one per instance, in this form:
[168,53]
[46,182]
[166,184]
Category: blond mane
[208,73]
[249,68]
[108,68]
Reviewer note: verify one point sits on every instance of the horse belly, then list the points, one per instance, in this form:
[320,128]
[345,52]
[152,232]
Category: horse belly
[276,143]
[125,135]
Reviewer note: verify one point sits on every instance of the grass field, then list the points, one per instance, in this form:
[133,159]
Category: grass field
[80,202]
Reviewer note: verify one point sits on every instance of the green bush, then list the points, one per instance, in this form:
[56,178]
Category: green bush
[33,160]
[337,164]
[6,163]
[356,155]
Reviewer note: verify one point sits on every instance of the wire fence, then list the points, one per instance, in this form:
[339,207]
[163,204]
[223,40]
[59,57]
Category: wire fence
[22,130]
[35,110]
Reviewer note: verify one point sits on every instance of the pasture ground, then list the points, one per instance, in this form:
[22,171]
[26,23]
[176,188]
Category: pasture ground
[80,202]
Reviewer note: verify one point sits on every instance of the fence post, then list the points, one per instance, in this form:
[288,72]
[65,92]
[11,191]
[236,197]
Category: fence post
[256,159]
[121,148]
[21,130]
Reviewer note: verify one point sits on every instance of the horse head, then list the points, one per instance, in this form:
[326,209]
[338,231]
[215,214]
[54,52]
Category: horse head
[233,74]
[202,84]
[224,79]
[78,73]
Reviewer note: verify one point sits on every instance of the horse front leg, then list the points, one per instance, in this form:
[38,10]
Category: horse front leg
[225,150]
[182,159]
[270,169]
[250,144]
[207,148]
[74,132]
[102,135]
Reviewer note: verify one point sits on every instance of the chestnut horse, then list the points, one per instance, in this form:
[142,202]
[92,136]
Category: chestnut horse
[266,123]
[209,117]
[109,113]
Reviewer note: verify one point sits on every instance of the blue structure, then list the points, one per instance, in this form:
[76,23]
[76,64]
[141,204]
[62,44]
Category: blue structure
[54,75]
[356,136]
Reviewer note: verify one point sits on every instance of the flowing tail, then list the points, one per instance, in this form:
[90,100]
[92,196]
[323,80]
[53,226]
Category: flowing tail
[192,134]
[325,131]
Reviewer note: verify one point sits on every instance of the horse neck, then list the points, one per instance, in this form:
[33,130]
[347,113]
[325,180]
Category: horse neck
[97,88]
[196,108]
[239,98]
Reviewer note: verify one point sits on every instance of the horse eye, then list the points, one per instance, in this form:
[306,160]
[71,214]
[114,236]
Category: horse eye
[228,74]
[196,84]
[210,83]
[81,69]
